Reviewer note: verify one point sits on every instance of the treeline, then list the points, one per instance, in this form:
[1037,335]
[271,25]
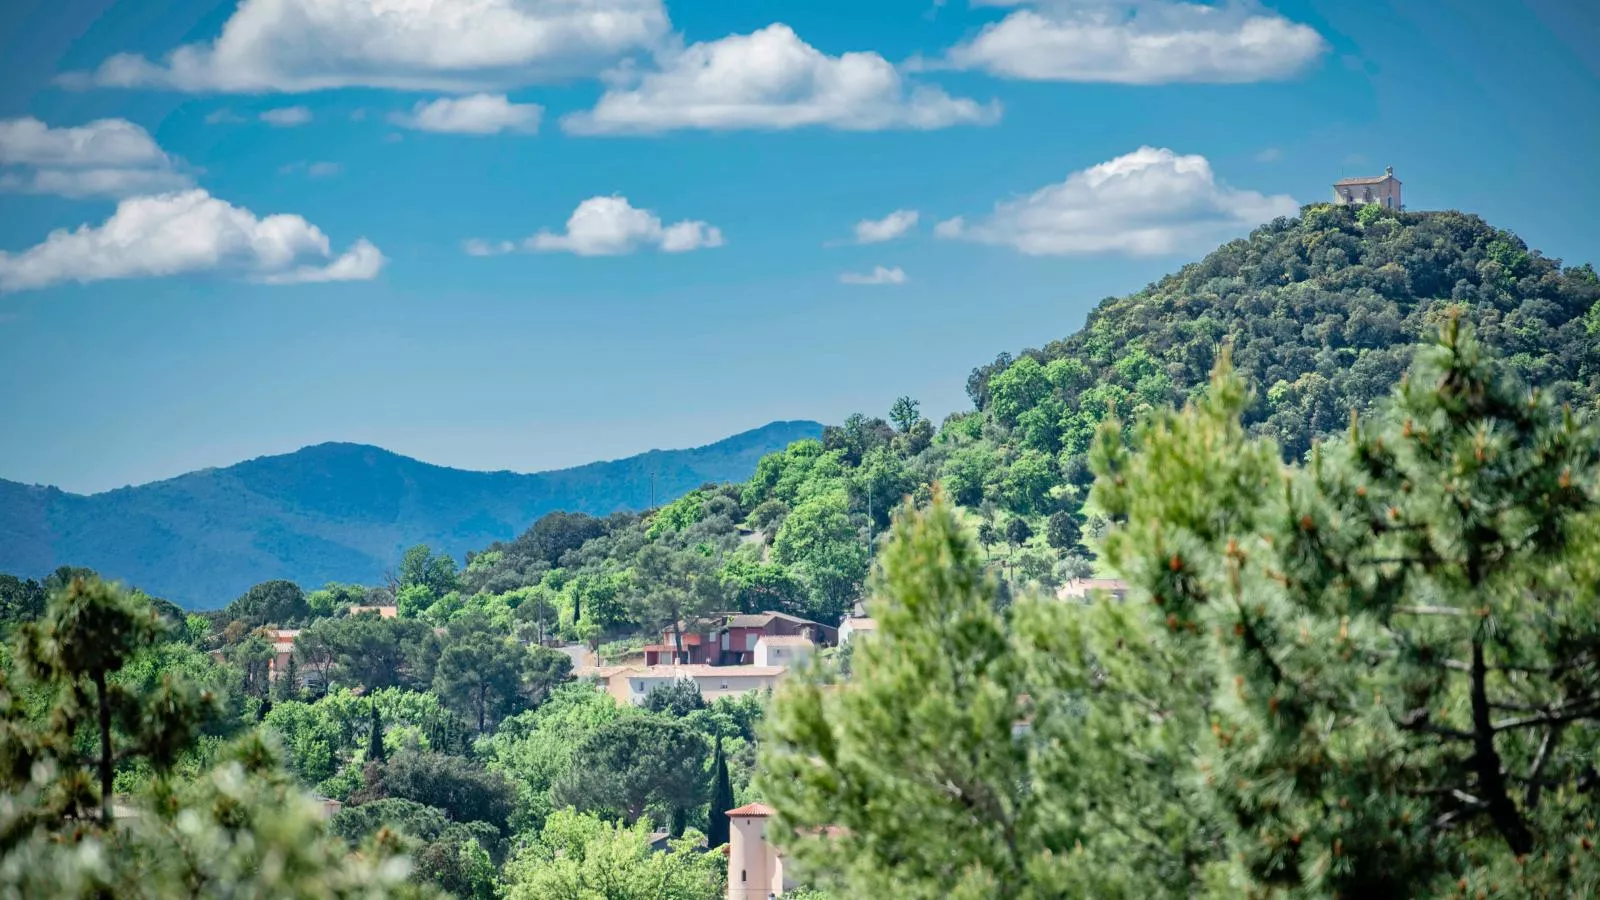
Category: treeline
[1372,674]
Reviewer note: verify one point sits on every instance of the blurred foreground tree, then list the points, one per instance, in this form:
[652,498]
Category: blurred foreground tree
[1374,675]
[240,830]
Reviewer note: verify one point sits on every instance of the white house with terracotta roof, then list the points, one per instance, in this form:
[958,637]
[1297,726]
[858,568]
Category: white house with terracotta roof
[856,625]
[1384,190]
[633,684]
[782,650]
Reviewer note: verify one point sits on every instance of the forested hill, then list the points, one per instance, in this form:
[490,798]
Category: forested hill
[1323,312]
[331,512]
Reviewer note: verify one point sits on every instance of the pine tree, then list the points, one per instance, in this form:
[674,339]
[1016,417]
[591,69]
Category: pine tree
[89,631]
[721,799]
[375,749]
[1374,674]
[1395,645]
[242,829]
[288,684]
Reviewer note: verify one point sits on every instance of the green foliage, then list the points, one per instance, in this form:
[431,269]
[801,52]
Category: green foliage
[677,699]
[20,601]
[721,799]
[905,413]
[584,857]
[633,763]
[1426,583]
[677,515]
[278,603]
[240,829]
[1370,675]
[536,748]
[464,789]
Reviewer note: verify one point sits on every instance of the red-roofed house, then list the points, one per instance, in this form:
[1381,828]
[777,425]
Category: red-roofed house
[730,640]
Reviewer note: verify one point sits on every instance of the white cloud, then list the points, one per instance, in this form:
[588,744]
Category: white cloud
[312,170]
[878,275]
[1148,202]
[306,45]
[223,116]
[287,117]
[611,226]
[1140,42]
[187,232]
[895,224]
[1269,155]
[476,114]
[771,79]
[479,247]
[102,143]
[86,183]
[104,158]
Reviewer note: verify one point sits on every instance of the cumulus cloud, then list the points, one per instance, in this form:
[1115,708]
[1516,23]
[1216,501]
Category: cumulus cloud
[772,79]
[1145,203]
[878,275]
[305,45]
[610,226]
[1139,42]
[182,233]
[475,114]
[480,247]
[287,117]
[895,224]
[104,158]
[223,116]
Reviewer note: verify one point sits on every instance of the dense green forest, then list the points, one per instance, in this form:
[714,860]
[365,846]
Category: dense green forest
[457,739]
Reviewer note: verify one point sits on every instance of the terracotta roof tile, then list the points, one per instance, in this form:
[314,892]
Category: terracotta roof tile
[753,810]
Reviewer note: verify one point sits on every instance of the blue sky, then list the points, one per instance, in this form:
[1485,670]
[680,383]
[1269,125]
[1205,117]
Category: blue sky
[290,264]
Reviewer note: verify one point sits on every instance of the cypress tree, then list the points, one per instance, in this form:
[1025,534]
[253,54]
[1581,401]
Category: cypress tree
[721,799]
[375,749]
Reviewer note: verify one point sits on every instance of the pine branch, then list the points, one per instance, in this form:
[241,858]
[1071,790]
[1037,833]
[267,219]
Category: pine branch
[1586,708]
[1534,786]
[1418,720]
[1433,610]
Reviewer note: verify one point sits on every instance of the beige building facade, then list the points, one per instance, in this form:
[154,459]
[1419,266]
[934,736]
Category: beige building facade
[633,684]
[1383,190]
[755,867]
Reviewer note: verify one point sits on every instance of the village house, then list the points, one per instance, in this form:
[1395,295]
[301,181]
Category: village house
[855,625]
[730,640]
[783,650]
[1384,190]
[1084,590]
[633,684]
[282,649]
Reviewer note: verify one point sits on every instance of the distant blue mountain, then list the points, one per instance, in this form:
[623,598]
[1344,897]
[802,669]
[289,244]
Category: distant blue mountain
[332,512]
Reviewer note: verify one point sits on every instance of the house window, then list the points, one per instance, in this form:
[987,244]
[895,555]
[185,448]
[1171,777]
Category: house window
[724,684]
[741,876]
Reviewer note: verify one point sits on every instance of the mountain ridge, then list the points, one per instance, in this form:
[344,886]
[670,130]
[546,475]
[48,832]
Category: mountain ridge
[332,511]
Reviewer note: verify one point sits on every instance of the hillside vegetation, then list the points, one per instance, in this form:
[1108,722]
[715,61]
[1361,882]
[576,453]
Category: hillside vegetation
[334,511]
[1322,314]
[452,735]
